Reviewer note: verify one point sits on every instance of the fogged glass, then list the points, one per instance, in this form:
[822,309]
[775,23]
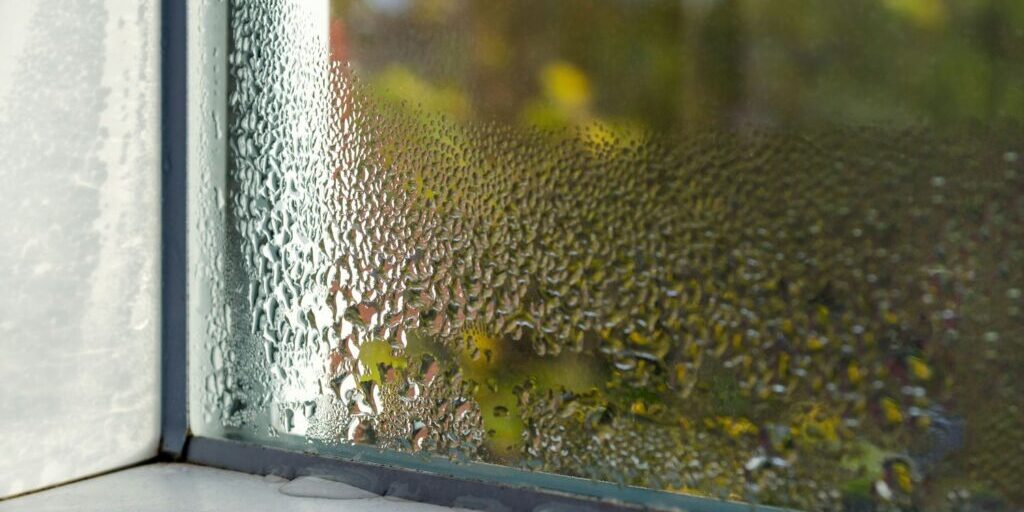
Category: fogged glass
[762,251]
[79,241]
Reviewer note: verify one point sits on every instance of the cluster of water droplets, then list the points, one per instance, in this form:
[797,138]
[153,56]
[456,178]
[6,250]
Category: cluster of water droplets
[757,314]
[310,222]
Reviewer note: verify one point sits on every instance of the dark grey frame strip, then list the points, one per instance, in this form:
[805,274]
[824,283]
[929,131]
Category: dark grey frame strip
[174,231]
[488,492]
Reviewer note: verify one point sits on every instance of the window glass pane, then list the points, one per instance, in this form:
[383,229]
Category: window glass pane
[764,251]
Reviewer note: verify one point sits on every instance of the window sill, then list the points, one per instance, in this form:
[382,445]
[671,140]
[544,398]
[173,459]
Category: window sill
[172,487]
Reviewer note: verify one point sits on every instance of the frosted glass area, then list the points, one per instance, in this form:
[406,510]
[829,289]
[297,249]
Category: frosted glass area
[79,239]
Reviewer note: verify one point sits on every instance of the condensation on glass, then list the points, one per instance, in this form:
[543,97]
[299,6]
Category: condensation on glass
[761,251]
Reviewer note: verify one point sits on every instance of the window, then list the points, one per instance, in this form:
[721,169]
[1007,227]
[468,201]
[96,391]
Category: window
[763,252]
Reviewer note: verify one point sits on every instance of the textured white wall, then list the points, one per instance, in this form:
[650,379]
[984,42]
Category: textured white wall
[79,238]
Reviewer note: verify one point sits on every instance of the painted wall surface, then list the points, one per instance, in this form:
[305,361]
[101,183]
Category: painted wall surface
[79,238]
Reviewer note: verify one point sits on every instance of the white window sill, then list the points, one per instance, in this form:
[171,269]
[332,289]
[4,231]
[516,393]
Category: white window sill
[174,487]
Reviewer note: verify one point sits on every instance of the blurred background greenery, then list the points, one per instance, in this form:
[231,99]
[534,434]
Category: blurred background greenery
[668,65]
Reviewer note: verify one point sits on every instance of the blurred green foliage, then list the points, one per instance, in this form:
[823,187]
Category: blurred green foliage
[668,65]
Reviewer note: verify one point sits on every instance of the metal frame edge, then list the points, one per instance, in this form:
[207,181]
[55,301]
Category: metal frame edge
[485,493]
[174,230]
